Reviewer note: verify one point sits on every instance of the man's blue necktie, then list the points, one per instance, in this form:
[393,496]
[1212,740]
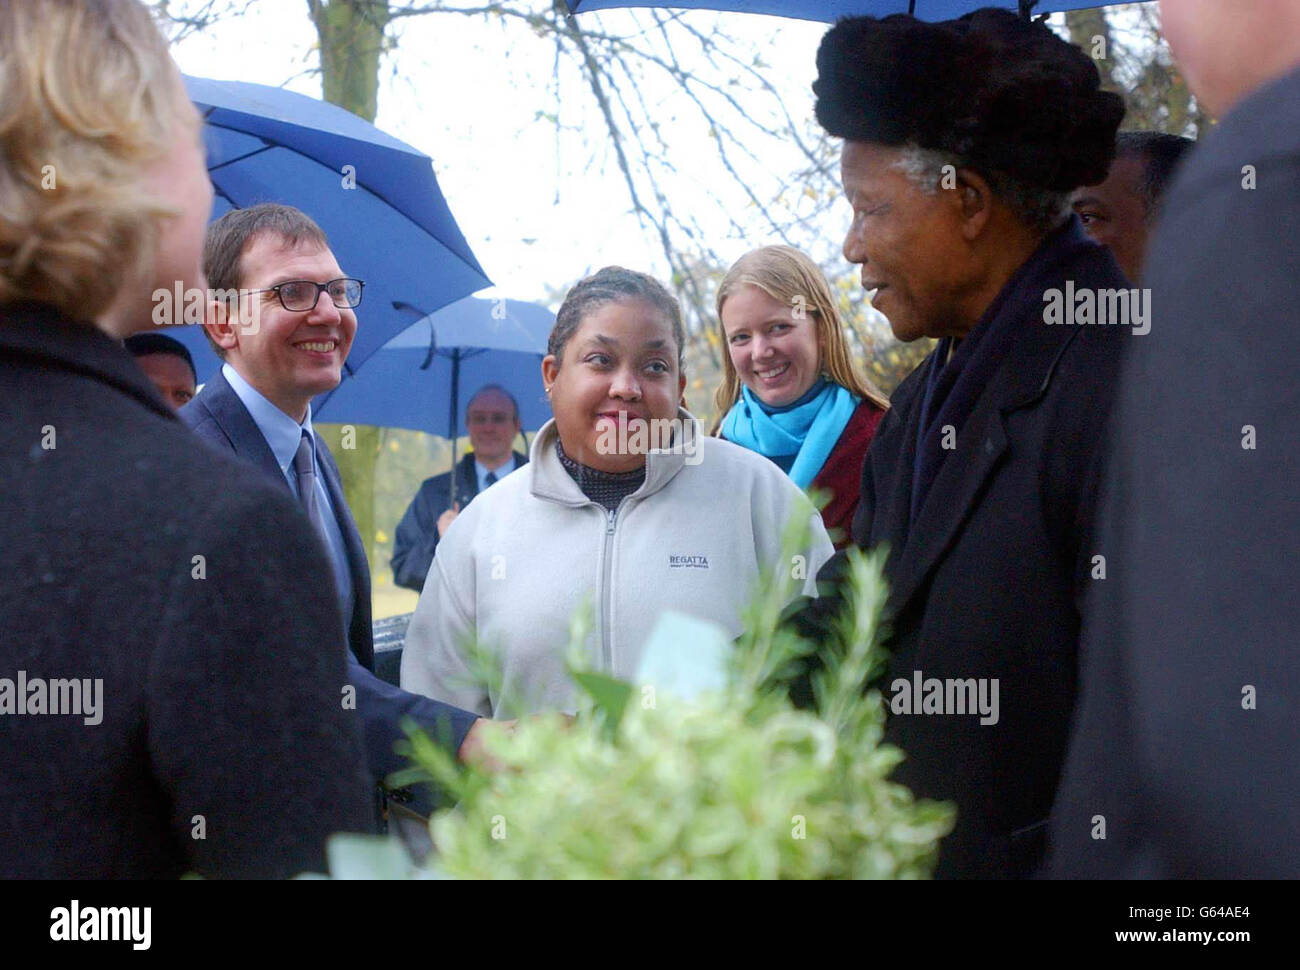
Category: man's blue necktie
[304,466]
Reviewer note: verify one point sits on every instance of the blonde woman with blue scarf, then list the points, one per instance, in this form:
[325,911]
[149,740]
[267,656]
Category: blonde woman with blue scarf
[790,391]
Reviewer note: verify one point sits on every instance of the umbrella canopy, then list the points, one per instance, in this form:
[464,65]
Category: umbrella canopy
[423,378]
[376,198]
[830,11]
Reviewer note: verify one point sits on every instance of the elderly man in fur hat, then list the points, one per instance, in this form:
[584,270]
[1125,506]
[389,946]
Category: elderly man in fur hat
[962,143]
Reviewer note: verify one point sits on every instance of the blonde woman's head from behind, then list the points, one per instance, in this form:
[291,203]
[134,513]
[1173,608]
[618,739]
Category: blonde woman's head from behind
[104,194]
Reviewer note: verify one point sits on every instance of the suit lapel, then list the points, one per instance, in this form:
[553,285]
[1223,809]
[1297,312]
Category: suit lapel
[887,514]
[468,480]
[1020,382]
[961,478]
[246,439]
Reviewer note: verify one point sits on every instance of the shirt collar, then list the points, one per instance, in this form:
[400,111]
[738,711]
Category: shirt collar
[482,471]
[282,433]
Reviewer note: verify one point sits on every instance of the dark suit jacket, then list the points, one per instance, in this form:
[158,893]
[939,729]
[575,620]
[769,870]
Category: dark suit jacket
[219,417]
[1193,776]
[416,540]
[987,582]
[206,710]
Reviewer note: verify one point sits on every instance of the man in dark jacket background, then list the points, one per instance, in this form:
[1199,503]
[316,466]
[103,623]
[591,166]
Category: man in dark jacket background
[492,417]
[1121,212]
[1185,753]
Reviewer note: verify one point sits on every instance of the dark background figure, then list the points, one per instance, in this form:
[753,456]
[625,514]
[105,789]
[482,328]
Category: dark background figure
[258,406]
[492,418]
[1121,212]
[168,364]
[219,746]
[1185,754]
[963,142]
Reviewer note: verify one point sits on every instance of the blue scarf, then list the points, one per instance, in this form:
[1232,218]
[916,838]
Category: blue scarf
[798,437]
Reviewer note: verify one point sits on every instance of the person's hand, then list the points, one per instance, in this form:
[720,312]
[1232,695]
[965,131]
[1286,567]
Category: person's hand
[472,749]
[447,518]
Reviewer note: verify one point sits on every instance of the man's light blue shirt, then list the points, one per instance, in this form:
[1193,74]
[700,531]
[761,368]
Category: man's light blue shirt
[500,473]
[282,434]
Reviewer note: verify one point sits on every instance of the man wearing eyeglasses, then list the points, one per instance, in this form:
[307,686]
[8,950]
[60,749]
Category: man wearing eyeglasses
[492,417]
[283,344]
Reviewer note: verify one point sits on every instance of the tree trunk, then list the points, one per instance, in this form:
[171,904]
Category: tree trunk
[351,34]
[1090,30]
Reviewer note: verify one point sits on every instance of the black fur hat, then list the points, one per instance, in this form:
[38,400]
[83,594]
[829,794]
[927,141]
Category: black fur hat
[998,92]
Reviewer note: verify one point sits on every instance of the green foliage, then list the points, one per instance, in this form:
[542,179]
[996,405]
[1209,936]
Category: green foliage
[735,783]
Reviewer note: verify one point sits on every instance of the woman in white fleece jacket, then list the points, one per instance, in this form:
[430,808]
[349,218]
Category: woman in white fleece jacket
[624,504]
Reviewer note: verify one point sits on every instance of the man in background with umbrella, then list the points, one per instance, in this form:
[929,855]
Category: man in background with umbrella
[259,406]
[493,421]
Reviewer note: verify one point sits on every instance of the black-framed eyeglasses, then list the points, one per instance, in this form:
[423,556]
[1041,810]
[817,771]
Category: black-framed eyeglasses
[301,295]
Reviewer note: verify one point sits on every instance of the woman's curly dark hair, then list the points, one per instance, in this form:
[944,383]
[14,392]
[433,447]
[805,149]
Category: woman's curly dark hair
[1003,95]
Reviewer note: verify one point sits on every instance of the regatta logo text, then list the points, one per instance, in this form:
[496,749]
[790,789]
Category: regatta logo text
[688,562]
[82,698]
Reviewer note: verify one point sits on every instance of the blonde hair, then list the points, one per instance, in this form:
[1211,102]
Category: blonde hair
[89,97]
[792,279]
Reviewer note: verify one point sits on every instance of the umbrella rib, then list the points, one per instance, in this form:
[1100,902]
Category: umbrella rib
[240,158]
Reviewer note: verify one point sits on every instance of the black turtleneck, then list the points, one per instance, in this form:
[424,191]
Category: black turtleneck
[604,488]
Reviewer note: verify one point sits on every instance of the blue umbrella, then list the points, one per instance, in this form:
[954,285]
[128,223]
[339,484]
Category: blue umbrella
[377,199]
[830,11]
[423,378]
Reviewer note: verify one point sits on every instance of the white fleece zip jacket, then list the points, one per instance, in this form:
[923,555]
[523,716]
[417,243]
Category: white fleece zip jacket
[521,558]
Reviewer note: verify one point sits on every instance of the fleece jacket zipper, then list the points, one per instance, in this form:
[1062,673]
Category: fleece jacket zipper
[606,586]
[606,606]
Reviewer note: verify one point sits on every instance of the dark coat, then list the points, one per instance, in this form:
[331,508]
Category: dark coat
[841,476]
[987,583]
[416,539]
[1194,777]
[207,709]
[219,417]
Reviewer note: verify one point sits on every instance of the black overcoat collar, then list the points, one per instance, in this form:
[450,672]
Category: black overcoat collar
[47,336]
[1021,381]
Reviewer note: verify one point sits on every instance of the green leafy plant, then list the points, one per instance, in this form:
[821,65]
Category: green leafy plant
[730,783]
